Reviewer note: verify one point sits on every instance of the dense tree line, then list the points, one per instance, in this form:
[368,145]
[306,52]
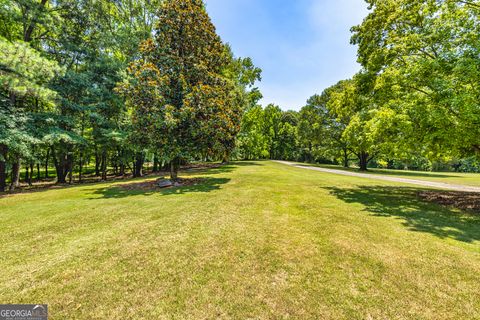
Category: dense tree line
[415,103]
[107,85]
[112,83]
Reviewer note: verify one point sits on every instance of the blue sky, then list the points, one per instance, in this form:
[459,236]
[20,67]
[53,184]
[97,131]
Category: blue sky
[302,46]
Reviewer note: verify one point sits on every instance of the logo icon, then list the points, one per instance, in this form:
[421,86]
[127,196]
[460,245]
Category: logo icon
[23,312]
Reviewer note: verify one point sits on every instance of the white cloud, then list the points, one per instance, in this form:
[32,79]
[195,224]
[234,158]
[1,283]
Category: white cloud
[337,14]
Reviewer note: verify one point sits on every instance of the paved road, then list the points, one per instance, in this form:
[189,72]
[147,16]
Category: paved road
[440,185]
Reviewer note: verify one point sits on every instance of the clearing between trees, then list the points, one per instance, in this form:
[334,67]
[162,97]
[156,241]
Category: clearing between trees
[247,240]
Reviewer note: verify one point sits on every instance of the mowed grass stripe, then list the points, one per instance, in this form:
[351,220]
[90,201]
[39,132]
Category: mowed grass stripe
[260,240]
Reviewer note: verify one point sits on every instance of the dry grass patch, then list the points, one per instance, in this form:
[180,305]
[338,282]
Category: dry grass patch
[460,200]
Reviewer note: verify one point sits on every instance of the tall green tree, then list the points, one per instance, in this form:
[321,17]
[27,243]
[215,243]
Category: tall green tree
[354,106]
[321,130]
[287,141]
[425,58]
[251,141]
[93,41]
[272,124]
[242,76]
[178,89]
[24,75]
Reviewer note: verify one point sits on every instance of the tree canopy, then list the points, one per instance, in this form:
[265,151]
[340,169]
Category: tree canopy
[103,87]
[415,101]
[64,70]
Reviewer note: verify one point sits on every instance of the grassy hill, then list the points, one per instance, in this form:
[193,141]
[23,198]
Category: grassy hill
[255,240]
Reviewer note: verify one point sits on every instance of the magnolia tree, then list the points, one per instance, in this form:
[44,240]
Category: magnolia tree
[186,96]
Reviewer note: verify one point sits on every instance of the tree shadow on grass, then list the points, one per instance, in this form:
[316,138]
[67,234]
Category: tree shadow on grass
[417,215]
[207,184]
[220,169]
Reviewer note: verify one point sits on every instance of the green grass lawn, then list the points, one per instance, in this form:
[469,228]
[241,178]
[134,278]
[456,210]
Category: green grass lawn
[255,241]
[468,179]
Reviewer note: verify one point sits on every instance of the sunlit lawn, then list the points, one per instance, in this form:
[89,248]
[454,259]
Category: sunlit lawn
[254,241]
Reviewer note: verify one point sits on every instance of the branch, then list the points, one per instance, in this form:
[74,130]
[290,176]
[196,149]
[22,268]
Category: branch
[42,35]
[419,90]
[432,56]
[28,32]
[468,3]
[352,151]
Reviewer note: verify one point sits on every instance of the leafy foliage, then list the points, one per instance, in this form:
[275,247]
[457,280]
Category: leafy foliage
[186,90]
[424,55]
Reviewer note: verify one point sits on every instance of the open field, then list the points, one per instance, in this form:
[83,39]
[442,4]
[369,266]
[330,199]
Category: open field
[256,240]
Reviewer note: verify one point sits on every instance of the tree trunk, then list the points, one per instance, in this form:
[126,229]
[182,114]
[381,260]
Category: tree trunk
[61,166]
[139,159]
[121,159]
[29,173]
[28,31]
[310,153]
[16,165]
[165,166]
[122,164]
[104,166]
[3,167]
[46,163]
[174,166]
[61,176]
[363,159]
[70,169]
[345,158]
[80,167]
[156,165]
[226,157]
[15,175]
[38,172]
[32,165]
[97,163]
